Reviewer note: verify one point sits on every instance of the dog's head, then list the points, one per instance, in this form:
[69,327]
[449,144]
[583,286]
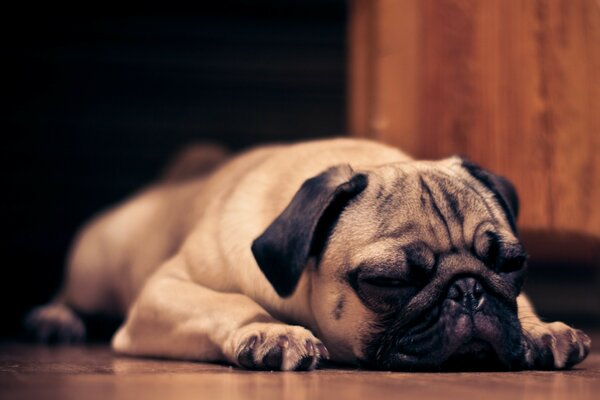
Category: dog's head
[416,264]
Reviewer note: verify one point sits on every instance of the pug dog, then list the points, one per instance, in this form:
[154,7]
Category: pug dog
[337,249]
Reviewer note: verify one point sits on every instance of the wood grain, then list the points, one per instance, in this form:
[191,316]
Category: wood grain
[514,85]
[29,372]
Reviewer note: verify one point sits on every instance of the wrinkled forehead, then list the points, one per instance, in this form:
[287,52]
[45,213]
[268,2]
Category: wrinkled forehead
[435,202]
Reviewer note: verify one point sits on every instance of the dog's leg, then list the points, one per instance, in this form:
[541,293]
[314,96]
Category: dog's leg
[55,323]
[86,290]
[174,317]
[553,345]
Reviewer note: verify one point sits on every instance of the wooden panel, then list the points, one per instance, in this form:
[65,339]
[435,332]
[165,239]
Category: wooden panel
[515,85]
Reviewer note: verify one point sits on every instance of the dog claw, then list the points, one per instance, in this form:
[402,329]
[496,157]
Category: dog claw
[555,346]
[291,350]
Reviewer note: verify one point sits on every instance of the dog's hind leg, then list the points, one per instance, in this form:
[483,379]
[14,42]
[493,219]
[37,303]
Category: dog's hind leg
[85,290]
[55,323]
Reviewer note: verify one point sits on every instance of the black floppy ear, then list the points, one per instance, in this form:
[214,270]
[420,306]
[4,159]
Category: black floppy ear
[301,230]
[504,191]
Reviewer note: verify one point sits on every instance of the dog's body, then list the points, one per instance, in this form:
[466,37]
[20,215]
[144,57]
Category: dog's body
[240,265]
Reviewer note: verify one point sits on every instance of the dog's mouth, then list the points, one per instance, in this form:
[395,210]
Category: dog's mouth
[452,342]
[475,355]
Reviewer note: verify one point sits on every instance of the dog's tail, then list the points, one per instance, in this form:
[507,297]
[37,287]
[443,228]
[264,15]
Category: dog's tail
[195,160]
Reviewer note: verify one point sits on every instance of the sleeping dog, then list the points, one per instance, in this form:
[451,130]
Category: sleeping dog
[289,254]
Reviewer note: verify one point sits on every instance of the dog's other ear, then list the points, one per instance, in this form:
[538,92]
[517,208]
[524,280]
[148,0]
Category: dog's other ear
[301,230]
[504,191]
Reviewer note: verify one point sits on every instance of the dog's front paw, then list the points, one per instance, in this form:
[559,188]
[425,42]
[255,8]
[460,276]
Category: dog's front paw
[279,347]
[554,346]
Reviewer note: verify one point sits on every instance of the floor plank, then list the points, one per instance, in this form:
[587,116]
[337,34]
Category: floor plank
[92,372]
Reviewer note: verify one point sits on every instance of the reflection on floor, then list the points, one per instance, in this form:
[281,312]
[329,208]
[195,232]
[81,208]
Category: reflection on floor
[94,372]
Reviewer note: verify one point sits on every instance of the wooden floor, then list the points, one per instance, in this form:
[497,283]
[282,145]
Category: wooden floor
[93,372]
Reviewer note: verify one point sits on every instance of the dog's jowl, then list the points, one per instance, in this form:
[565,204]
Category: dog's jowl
[287,255]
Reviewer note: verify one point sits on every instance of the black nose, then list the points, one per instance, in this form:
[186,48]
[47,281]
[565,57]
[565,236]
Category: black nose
[467,292]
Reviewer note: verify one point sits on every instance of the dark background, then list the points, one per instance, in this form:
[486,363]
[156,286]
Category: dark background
[92,108]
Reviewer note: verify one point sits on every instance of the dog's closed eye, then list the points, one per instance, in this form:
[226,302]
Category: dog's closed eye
[382,287]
